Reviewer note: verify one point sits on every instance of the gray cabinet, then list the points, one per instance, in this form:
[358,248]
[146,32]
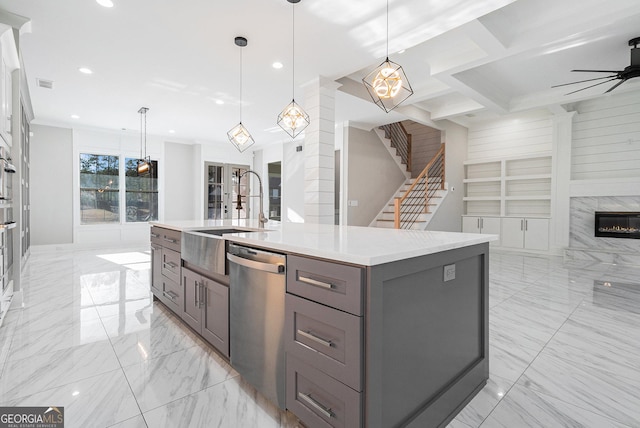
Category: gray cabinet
[156,269]
[165,267]
[387,345]
[206,308]
[324,342]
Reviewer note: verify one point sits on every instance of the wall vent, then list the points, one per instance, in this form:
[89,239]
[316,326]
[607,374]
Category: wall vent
[43,83]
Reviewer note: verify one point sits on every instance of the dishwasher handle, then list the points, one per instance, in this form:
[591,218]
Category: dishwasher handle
[266,267]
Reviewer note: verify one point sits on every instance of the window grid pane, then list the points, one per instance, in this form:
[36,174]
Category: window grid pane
[141,192]
[99,189]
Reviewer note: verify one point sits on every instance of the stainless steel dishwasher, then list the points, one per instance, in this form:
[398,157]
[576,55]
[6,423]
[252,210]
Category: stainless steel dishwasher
[256,318]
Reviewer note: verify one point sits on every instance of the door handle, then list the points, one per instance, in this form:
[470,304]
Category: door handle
[526,225]
[521,224]
[196,291]
[266,267]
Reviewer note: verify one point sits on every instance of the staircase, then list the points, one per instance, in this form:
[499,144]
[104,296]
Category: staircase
[398,144]
[386,217]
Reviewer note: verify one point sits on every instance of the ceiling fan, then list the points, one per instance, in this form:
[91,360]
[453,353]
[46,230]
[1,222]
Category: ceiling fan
[629,72]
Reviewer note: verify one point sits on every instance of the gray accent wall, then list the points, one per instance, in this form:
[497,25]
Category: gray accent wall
[373,176]
[51,184]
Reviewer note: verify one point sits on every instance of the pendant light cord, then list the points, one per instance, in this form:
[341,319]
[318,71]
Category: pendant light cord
[387,30]
[241,84]
[293,51]
[141,135]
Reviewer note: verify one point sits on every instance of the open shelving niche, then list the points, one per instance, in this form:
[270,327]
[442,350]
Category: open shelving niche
[518,186]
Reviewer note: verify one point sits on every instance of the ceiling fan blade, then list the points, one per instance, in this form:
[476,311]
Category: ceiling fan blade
[616,85]
[601,83]
[582,81]
[598,71]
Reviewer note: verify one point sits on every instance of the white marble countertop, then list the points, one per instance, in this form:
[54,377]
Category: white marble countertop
[366,246]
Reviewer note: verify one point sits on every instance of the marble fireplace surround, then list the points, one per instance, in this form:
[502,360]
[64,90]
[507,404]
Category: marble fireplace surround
[584,245]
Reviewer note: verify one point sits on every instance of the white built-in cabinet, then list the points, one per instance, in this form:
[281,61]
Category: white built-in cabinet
[485,225]
[10,62]
[525,233]
[515,194]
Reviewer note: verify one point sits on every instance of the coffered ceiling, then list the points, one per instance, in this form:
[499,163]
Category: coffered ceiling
[466,59]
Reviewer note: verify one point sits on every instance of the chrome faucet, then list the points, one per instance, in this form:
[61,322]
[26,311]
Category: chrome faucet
[261,217]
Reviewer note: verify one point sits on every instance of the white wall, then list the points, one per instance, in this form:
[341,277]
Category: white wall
[51,184]
[449,214]
[519,134]
[606,138]
[292,182]
[373,177]
[179,177]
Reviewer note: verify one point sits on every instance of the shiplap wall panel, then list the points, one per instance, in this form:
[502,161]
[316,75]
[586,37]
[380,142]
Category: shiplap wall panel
[524,135]
[606,138]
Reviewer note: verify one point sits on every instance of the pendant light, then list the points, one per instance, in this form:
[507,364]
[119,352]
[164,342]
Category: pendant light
[239,135]
[144,163]
[387,84]
[293,119]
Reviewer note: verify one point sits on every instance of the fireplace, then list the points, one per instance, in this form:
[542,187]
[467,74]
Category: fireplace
[617,224]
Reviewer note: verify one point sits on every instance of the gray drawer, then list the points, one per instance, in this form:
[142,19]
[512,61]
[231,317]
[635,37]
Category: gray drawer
[172,295]
[328,339]
[171,264]
[171,239]
[319,400]
[333,284]
[157,235]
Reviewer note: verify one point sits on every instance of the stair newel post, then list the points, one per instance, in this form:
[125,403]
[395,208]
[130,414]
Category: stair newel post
[396,213]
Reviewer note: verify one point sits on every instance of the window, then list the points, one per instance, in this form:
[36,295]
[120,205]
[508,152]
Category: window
[99,189]
[141,192]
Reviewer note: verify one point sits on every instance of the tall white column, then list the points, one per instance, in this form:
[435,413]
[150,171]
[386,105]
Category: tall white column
[319,152]
[560,216]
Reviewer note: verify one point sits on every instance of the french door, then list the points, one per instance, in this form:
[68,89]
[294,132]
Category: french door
[222,184]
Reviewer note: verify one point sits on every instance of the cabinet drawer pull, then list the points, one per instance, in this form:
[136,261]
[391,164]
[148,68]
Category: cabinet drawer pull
[315,282]
[170,294]
[315,338]
[173,241]
[313,403]
[172,265]
[155,247]
[202,290]
[153,235]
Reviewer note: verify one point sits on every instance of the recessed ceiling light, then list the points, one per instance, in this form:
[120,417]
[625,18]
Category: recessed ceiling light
[172,131]
[75,116]
[105,3]
[277,65]
[219,102]
[402,51]
[85,70]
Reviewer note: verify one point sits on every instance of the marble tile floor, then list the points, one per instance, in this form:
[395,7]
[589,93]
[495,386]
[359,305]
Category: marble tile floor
[564,349]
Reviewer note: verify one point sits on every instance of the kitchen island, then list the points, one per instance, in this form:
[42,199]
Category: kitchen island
[382,328]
